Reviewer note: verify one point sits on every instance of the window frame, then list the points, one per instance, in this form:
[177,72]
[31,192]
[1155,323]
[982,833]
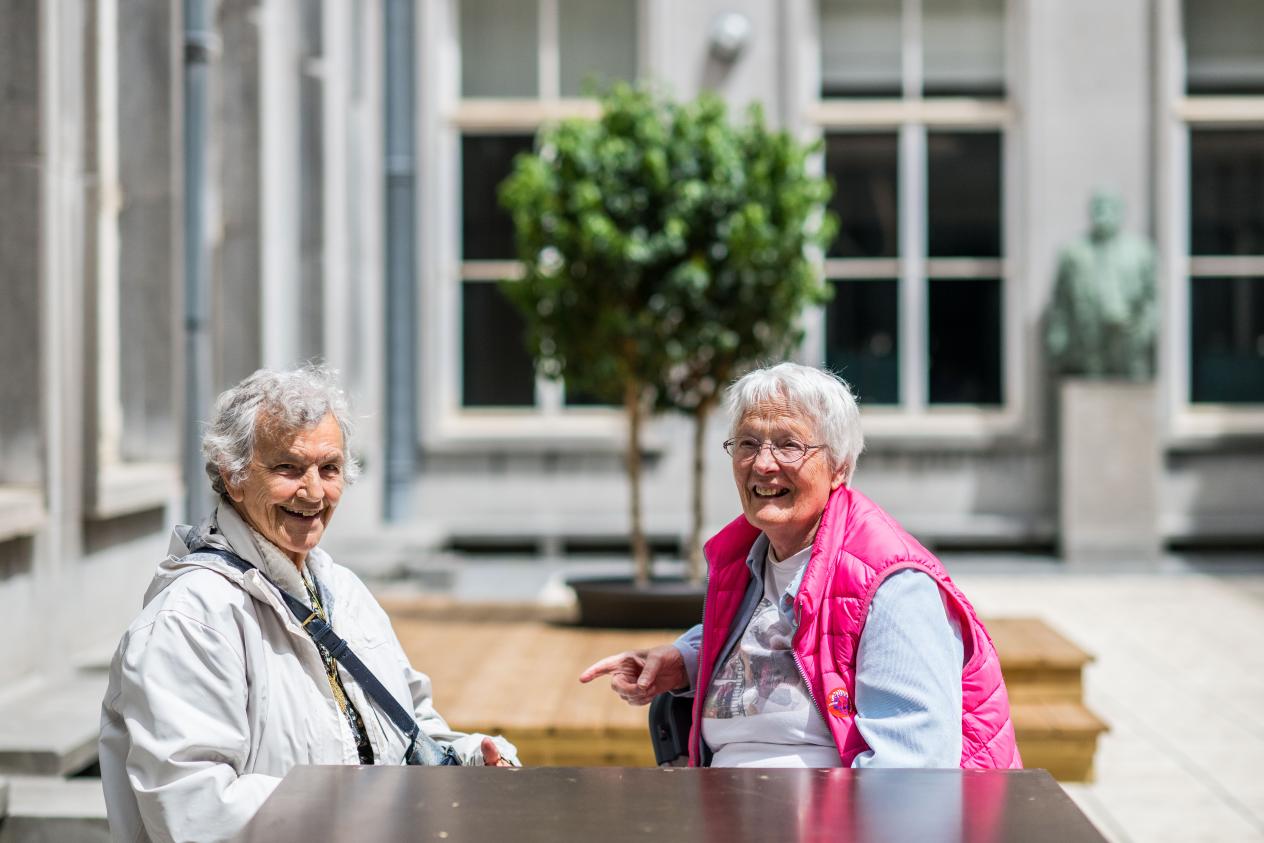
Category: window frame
[1190,424]
[445,117]
[914,420]
[114,484]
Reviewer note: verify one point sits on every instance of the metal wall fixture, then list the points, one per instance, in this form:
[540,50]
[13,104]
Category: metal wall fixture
[730,33]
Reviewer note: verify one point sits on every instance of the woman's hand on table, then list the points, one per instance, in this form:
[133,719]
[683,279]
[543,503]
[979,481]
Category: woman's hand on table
[492,756]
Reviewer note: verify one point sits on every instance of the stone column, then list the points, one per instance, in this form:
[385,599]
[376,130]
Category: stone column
[310,198]
[236,173]
[1110,471]
[148,226]
[20,172]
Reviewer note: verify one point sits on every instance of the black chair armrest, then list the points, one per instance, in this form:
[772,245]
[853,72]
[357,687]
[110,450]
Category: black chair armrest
[670,719]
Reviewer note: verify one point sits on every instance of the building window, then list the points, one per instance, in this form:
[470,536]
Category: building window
[523,62]
[1223,52]
[913,110]
[496,369]
[1224,109]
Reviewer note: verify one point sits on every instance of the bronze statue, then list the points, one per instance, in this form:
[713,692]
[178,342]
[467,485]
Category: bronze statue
[1103,318]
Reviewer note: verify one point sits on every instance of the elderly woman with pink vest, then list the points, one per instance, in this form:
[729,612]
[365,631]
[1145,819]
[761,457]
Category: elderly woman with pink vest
[830,637]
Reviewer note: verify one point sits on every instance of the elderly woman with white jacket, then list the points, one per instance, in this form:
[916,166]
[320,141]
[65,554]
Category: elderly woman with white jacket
[217,689]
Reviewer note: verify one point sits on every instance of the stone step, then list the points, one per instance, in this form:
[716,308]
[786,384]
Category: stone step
[51,728]
[50,808]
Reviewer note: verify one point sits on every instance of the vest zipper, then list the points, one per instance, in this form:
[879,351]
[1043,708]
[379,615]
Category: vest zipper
[702,648]
[794,654]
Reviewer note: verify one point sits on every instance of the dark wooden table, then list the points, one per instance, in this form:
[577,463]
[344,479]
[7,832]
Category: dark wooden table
[611,805]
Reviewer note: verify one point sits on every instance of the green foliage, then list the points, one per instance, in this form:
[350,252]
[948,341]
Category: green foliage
[663,246]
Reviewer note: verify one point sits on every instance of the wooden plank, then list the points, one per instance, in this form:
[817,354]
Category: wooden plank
[1044,685]
[1032,643]
[1066,760]
[510,671]
[1056,719]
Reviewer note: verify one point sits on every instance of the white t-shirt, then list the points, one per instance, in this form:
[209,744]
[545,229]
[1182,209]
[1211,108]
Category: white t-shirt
[759,712]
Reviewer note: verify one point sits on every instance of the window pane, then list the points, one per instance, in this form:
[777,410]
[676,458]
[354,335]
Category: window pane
[864,170]
[860,48]
[965,341]
[597,42]
[499,48]
[1226,340]
[964,194]
[862,338]
[1226,192]
[578,398]
[1224,46]
[496,369]
[964,48]
[486,228]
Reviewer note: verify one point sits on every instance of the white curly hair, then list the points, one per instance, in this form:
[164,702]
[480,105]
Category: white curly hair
[825,399]
[297,399]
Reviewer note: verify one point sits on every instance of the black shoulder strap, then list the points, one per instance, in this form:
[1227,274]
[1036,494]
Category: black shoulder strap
[421,747]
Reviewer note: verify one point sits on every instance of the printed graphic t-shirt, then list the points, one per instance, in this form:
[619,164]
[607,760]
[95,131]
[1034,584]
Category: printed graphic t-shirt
[759,712]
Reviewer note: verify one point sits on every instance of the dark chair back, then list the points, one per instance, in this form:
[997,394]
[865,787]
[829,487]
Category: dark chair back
[670,719]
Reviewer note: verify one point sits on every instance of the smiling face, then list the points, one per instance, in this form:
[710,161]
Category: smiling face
[292,485]
[785,501]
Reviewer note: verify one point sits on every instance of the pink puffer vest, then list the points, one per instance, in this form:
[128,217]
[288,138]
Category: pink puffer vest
[857,546]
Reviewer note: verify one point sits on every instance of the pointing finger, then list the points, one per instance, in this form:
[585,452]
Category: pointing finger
[602,668]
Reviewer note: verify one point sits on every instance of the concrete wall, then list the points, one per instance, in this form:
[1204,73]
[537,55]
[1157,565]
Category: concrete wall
[90,268]
[90,253]
[67,580]
[1082,82]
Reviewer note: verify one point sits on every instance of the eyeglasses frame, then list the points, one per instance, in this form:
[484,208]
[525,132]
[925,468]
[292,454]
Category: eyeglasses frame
[772,451]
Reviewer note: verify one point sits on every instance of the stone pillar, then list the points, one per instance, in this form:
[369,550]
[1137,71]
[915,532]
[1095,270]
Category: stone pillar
[310,198]
[148,227]
[1110,472]
[236,173]
[21,167]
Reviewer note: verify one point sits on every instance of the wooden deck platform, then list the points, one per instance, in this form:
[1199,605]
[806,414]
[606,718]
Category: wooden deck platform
[512,670]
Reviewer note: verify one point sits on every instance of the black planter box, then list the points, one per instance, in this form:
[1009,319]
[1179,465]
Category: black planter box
[617,603]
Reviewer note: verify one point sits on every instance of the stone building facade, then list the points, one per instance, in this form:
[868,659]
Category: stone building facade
[965,138]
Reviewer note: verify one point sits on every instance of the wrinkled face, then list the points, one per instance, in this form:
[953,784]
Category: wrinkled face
[292,485]
[785,501]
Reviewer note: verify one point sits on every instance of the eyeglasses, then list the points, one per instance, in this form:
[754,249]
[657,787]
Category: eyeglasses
[785,452]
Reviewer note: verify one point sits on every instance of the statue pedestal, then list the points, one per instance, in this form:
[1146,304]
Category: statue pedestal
[1109,458]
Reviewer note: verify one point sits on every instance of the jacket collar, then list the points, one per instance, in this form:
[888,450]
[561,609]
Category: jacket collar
[225,529]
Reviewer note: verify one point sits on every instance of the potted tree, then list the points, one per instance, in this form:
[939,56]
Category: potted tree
[756,277]
[663,248]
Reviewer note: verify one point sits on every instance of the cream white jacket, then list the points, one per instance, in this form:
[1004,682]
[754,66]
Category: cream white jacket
[215,690]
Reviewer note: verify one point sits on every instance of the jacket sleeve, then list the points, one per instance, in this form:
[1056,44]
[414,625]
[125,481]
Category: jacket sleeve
[468,747]
[689,644]
[181,695]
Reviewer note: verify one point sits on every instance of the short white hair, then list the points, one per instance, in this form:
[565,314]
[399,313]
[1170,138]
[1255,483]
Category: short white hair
[294,400]
[825,399]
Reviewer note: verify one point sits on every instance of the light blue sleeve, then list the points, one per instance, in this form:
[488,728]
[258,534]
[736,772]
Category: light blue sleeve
[908,677]
[689,644]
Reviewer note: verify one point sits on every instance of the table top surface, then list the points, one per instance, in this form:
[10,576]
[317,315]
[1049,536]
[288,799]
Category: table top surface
[614,804]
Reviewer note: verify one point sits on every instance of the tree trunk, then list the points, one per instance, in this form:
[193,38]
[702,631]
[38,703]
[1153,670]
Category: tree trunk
[694,567]
[640,547]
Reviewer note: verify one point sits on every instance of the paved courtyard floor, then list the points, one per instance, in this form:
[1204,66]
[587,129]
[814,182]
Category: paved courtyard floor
[1179,676]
